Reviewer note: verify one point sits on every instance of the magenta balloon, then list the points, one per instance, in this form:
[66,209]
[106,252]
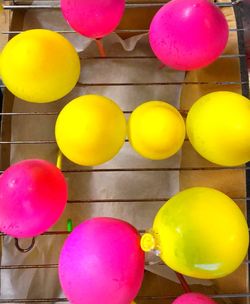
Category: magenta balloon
[33,195]
[188,34]
[93,18]
[102,262]
[193,298]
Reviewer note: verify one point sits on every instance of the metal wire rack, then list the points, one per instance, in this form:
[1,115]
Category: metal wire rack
[17,6]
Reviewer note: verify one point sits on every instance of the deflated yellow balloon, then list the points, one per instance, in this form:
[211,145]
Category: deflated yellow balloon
[39,66]
[218,127]
[200,232]
[156,130]
[90,130]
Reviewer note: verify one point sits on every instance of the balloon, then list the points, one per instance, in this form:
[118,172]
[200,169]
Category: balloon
[39,66]
[218,127]
[200,232]
[193,298]
[156,130]
[184,34]
[93,18]
[102,262]
[33,195]
[90,130]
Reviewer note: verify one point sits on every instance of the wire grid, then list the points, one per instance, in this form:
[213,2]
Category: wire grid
[6,115]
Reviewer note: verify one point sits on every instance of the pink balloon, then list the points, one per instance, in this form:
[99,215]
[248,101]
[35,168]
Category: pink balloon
[93,18]
[102,262]
[193,298]
[188,34]
[33,195]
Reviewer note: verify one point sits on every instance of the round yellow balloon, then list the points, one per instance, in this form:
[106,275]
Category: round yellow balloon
[90,130]
[200,232]
[218,127]
[156,130]
[39,66]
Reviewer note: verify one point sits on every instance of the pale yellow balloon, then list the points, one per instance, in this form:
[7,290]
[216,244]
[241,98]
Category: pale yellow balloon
[218,127]
[156,130]
[200,232]
[90,130]
[39,66]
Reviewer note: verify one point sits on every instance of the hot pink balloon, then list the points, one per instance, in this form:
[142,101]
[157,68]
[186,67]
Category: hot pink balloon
[33,195]
[193,298]
[188,34]
[102,262]
[93,18]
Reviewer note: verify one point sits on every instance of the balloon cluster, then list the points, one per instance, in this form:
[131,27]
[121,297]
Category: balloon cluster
[91,129]
[42,66]
[103,258]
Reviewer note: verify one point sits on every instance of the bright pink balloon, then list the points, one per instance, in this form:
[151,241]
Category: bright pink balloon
[188,34]
[33,195]
[193,298]
[102,262]
[93,18]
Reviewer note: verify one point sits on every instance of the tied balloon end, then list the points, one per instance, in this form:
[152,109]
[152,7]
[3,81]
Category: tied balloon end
[148,242]
[59,160]
[100,47]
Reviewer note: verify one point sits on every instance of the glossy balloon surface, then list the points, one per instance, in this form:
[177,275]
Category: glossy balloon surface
[90,130]
[218,127]
[156,130]
[102,259]
[200,232]
[93,18]
[184,34]
[193,298]
[39,66]
[33,195]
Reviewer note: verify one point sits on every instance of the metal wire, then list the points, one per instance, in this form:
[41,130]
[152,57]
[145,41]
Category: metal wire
[55,266]
[148,298]
[113,170]
[126,31]
[176,83]
[54,5]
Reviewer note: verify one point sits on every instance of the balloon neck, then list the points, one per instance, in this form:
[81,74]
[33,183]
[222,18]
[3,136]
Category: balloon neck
[59,160]
[148,242]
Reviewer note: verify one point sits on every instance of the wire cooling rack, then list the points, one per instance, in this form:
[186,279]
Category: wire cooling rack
[18,7]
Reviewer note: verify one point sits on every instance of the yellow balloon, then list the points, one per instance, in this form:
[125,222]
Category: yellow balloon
[156,130]
[218,127]
[39,66]
[90,130]
[200,232]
